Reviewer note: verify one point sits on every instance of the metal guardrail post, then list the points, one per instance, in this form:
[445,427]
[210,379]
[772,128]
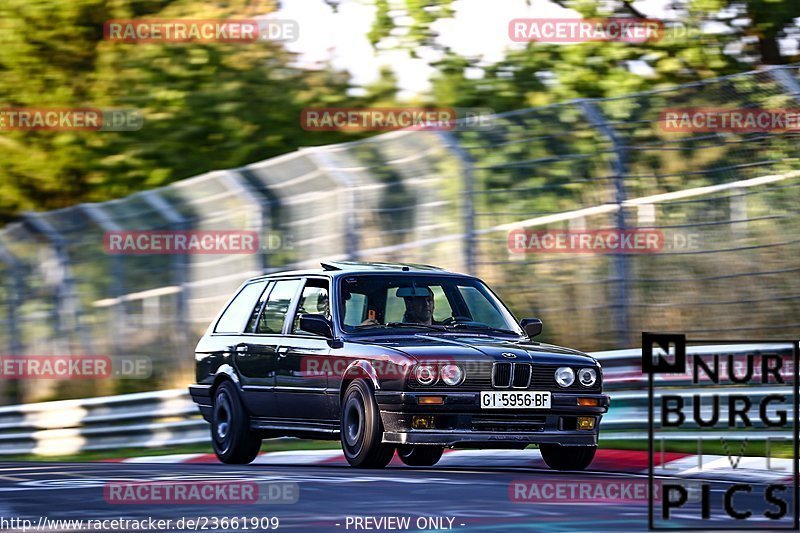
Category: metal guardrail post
[266,201]
[468,217]
[237,183]
[67,303]
[179,263]
[15,287]
[621,266]
[351,226]
[117,271]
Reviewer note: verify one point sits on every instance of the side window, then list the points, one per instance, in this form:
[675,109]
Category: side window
[271,320]
[237,313]
[313,300]
[251,323]
[354,309]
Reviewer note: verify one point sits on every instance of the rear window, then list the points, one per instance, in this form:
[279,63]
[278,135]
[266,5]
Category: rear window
[240,309]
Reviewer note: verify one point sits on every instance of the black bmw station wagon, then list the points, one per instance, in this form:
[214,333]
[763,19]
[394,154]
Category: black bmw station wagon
[391,357]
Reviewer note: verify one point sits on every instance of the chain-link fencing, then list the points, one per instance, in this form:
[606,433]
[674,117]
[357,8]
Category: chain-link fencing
[725,204]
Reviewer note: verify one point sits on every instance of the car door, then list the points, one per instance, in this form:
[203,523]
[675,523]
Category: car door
[304,362]
[232,329]
[260,352]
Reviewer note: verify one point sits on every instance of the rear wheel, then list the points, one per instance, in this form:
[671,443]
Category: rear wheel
[420,455]
[361,428]
[233,441]
[560,457]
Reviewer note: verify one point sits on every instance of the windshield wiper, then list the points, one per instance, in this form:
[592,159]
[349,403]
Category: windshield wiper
[482,327]
[412,325]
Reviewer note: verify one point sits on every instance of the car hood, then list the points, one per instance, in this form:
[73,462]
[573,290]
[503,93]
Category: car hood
[479,347]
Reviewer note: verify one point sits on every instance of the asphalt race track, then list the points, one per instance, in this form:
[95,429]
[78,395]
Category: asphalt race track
[475,499]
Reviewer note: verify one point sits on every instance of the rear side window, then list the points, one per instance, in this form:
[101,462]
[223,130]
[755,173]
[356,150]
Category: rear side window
[274,313]
[240,309]
[251,323]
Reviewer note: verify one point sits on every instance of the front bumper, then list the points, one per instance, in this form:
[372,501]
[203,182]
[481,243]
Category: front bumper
[460,422]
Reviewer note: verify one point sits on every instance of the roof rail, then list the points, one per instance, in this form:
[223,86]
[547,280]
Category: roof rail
[375,265]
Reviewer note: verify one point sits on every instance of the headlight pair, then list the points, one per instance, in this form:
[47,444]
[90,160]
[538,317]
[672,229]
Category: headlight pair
[565,376]
[450,374]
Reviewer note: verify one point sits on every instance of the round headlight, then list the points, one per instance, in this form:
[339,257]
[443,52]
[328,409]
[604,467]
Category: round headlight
[451,374]
[565,376]
[425,374]
[587,376]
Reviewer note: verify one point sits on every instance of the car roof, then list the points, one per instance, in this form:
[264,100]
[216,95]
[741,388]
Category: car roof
[339,268]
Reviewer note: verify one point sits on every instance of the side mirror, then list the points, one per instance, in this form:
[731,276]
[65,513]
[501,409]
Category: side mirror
[532,326]
[316,324]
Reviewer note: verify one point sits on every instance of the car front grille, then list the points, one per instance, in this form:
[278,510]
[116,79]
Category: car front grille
[531,376]
[499,376]
[511,375]
[522,376]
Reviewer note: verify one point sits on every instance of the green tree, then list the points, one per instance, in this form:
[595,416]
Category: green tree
[205,106]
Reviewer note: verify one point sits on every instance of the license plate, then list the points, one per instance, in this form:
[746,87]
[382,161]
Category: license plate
[515,400]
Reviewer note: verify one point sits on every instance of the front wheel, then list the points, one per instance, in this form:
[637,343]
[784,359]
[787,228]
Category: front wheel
[420,455]
[560,457]
[361,428]
[233,441]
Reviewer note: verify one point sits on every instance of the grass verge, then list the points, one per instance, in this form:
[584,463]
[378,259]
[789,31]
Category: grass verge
[269,445]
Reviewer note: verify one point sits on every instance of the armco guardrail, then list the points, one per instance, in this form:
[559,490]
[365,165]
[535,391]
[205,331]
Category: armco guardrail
[169,417]
[143,420]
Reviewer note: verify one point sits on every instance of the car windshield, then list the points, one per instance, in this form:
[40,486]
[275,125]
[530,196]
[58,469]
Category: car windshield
[386,303]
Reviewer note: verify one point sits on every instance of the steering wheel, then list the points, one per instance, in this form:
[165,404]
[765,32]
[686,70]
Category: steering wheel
[455,319]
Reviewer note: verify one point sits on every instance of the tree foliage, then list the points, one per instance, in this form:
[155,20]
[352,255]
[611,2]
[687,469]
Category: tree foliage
[204,106]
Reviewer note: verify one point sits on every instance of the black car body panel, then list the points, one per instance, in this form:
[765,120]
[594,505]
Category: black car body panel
[292,383]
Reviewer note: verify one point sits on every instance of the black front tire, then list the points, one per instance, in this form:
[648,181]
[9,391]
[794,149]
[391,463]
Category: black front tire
[560,457]
[362,429]
[420,455]
[231,437]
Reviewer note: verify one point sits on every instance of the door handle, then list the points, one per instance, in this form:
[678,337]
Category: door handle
[283,351]
[242,348]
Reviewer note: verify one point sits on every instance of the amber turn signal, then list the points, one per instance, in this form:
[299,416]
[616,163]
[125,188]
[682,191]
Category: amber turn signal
[431,400]
[588,402]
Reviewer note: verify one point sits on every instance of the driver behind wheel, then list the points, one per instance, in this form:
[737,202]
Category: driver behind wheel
[419,308]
